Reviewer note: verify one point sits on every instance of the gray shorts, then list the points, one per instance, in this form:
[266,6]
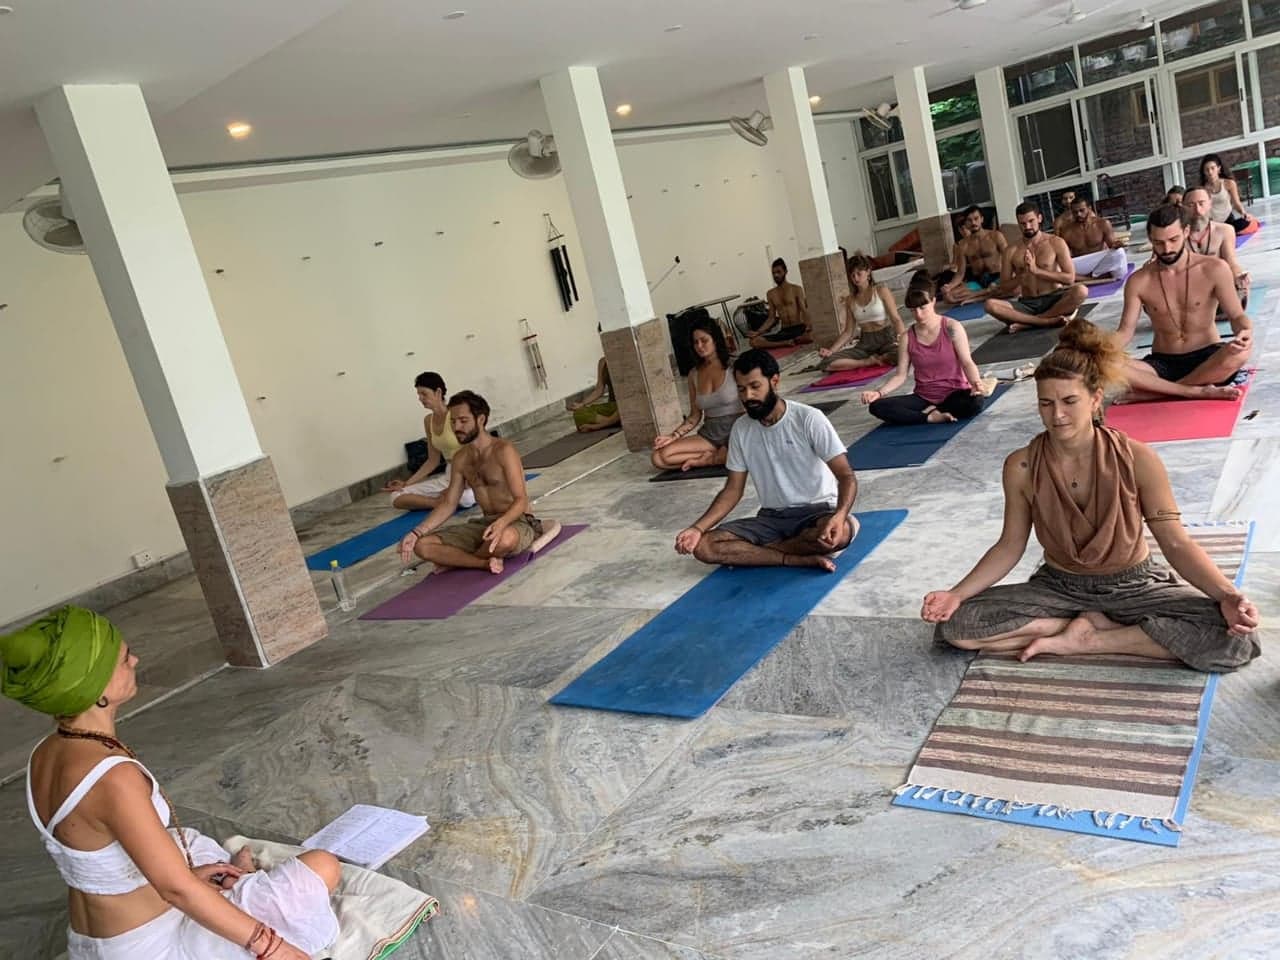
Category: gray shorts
[771,526]
[1038,305]
[715,430]
[872,343]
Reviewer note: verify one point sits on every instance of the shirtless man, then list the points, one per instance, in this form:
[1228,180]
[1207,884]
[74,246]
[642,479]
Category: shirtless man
[1213,239]
[976,257]
[1096,254]
[1040,267]
[1181,291]
[788,314]
[492,469]
[1067,199]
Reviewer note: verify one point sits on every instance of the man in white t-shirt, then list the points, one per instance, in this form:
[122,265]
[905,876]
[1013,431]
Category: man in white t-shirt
[798,465]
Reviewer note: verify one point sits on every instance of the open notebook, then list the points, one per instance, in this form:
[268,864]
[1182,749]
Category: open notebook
[368,836]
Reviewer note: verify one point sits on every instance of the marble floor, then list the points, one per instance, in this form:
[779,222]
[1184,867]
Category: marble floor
[764,828]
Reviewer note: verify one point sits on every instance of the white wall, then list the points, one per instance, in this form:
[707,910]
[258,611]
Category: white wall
[845,184]
[453,300]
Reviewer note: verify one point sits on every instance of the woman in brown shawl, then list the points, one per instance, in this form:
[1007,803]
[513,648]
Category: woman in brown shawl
[1086,490]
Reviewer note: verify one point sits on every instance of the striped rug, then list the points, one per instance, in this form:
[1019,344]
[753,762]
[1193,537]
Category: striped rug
[1092,744]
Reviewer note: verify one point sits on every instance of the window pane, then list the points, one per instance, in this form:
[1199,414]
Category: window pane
[1273,166]
[881,181]
[1269,75]
[1244,165]
[1202,29]
[1050,201]
[1265,17]
[1048,144]
[1118,55]
[1142,191]
[1209,103]
[1042,77]
[964,170]
[954,105]
[874,136]
[905,190]
[1119,125]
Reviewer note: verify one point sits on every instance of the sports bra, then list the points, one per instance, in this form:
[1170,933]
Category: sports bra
[722,401]
[872,312]
[444,441]
[105,871]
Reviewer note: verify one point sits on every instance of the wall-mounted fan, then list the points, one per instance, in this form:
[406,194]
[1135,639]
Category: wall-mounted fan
[51,224]
[879,116]
[534,157]
[753,129]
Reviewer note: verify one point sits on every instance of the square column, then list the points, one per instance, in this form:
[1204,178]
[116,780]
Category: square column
[794,141]
[937,236]
[998,140]
[226,497]
[634,341]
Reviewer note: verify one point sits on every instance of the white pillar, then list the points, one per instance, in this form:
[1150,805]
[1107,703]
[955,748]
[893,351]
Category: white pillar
[998,140]
[115,178]
[795,143]
[922,148]
[593,177]
[634,342]
[225,493]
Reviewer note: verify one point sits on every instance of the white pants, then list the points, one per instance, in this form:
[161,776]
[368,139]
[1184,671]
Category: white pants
[433,487]
[1113,263]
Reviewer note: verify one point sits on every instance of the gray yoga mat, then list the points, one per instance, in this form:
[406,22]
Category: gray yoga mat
[565,447]
[1023,345]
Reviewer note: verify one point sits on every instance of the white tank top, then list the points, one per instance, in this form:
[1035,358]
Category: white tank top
[105,871]
[872,312]
[1220,203]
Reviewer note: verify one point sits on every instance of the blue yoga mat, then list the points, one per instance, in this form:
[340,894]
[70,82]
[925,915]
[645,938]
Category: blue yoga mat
[975,310]
[686,658]
[887,446]
[364,545]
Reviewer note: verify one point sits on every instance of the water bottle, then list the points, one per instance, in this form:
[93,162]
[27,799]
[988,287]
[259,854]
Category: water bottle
[340,587]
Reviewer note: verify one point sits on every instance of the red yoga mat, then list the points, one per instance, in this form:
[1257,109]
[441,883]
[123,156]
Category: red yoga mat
[780,352]
[1162,420]
[847,378]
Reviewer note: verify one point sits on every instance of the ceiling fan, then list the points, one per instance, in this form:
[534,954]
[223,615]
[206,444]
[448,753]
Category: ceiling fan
[1075,14]
[959,5]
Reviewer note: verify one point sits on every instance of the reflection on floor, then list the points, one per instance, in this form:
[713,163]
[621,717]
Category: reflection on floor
[761,830]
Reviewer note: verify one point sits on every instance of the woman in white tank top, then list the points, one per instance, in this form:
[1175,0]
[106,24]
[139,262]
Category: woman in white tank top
[870,321]
[713,407]
[138,889]
[1224,194]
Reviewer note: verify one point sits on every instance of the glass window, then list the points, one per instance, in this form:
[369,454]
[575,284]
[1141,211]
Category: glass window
[1272,149]
[1050,201]
[1041,77]
[1048,140]
[954,105]
[883,199]
[1202,29]
[873,136]
[1244,166]
[1269,75]
[964,170]
[1119,126]
[903,174]
[1208,103]
[1141,192]
[1118,55]
[1264,17]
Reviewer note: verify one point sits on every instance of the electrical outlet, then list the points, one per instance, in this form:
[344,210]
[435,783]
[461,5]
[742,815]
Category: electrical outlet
[143,559]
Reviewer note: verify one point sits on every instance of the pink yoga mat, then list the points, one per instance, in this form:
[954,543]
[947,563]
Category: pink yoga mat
[441,595]
[780,352]
[1162,420]
[846,378]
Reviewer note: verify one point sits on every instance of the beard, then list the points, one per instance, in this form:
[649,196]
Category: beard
[1030,234]
[1198,223]
[760,409]
[1169,259]
[465,438]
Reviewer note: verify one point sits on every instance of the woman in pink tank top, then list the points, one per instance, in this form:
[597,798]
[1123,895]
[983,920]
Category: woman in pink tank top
[936,350]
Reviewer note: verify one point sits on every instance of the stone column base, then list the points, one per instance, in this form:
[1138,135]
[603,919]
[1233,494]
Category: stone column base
[937,239]
[825,284]
[640,367]
[250,566]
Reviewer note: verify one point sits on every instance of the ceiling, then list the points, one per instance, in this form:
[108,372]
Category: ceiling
[319,77]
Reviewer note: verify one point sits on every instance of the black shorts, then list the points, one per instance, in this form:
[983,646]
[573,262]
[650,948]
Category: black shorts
[983,280]
[1035,306]
[770,526]
[1176,366]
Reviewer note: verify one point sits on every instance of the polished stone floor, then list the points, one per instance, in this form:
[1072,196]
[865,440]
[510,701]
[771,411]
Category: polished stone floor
[761,830]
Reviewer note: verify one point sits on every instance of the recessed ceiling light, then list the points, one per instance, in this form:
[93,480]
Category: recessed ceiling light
[5,10]
[239,130]
[455,15]
[815,100]
[623,109]
[813,36]
[674,28]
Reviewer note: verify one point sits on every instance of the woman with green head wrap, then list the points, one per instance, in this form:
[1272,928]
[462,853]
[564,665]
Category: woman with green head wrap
[139,889]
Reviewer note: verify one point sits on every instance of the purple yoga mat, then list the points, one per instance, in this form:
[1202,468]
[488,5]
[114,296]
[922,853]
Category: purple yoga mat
[1099,290]
[1241,241]
[441,595]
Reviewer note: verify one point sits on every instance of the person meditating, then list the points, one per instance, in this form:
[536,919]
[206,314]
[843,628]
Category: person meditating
[140,886]
[802,477]
[976,258]
[1040,269]
[1181,292]
[491,467]
[422,490]
[948,386]
[788,313]
[713,403]
[1211,239]
[1096,253]
[871,316]
[598,410]
[1224,195]
[1086,490]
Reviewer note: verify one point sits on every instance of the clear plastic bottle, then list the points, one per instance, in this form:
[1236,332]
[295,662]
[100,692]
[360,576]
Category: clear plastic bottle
[339,579]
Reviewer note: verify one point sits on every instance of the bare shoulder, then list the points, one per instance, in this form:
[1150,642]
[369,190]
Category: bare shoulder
[1017,466]
[1060,246]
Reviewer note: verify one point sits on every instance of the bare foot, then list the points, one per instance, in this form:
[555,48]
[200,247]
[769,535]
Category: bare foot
[495,565]
[243,860]
[1220,393]
[550,530]
[941,416]
[1019,327]
[439,568]
[693,462]
[818,562]
[1078,636]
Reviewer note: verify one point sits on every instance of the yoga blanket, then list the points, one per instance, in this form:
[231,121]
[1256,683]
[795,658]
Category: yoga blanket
[376,914]
[1030,344]
[889,446]
[1243,238]
[439,596]
[1160,421]
[686,658]
[847,378]
[565,447]
[1099,290]
[1099,744]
